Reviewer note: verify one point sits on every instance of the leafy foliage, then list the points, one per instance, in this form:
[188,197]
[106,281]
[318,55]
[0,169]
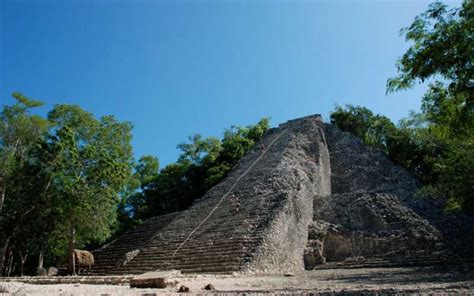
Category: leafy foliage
[437,143]
[443,45]
[443,48]
[375,130]
[93,165]
[65,173]
[19,132]
[408,144]
[80,185]
[203,163]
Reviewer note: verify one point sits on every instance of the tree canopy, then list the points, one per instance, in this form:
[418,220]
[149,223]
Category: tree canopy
[65,172]
[436,144]
[203,162]
[74,175]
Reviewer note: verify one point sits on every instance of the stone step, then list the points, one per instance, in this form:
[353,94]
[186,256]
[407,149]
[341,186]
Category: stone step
[203,265]
[216,269]
[192,252]
[130,245]
[90,280]
[192,249]
[222,246]
[191,260]
[381,263]
[215,257]
[187,269]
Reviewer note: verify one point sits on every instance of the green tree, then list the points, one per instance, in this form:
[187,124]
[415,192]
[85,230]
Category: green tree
[410,144]
[200,151]
[374,129]
[203,163]
[134,205]
[93,167]
[19,131]
[443,50]
[146,170]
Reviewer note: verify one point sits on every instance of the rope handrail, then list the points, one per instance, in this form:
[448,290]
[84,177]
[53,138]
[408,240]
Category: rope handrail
[227,193]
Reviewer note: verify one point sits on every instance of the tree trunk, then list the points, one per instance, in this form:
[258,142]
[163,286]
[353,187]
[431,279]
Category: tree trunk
[10,263]
[6,244]
[2,258]
[40,258]
[3,254]
[23,260]
[2,198]
[2,233]
[72,242]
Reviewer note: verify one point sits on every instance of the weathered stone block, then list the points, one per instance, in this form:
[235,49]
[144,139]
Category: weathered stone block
[158,280]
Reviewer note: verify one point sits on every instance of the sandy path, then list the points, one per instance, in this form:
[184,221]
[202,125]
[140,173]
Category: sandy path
[453,281]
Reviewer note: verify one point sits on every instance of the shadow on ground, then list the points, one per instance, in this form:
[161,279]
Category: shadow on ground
[412,276]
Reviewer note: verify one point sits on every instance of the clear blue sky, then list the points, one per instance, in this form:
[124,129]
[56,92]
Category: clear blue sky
[174,68]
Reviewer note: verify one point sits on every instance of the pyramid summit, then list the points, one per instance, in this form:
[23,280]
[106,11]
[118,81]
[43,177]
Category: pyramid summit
[306,196]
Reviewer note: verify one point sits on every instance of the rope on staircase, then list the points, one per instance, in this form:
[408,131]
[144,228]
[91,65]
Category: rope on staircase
[228,192]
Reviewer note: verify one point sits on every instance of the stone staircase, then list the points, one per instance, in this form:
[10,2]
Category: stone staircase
[265,232]
[210,249]
[111,256]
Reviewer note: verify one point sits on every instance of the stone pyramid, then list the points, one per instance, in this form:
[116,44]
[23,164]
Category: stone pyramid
[308,195]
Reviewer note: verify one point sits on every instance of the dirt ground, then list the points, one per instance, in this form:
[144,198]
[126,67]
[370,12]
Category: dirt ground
[372,281]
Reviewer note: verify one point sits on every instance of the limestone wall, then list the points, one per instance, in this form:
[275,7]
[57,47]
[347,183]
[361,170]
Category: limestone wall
[262,225]
[369,212]
[302,173]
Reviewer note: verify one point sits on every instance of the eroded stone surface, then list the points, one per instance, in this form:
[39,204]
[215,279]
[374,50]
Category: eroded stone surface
[269,232]
[372,223]
[316,195]
[375,204]
[161,280]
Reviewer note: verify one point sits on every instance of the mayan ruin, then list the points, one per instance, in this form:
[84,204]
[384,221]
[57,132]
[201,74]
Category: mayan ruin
[317,197]
[236,147]
[307,198]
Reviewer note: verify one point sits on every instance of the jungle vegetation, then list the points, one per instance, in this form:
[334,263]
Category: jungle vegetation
[436,143]
[70,180]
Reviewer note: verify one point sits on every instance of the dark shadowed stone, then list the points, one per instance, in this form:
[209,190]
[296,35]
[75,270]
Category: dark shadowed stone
[41,271]
[374,201]
[209,287]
